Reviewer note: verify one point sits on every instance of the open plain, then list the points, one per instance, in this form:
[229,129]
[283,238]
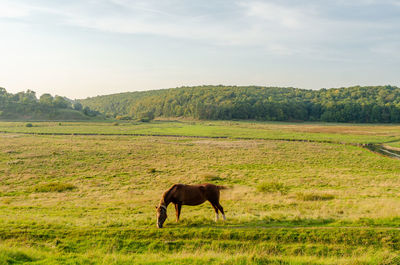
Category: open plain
[308,193]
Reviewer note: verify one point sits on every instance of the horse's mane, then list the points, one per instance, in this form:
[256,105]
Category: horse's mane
[165,195]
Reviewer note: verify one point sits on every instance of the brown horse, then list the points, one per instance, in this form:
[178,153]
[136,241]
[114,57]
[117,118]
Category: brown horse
[181,194]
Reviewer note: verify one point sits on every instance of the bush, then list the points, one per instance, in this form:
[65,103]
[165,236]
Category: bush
[145,119]
[273,187]
[211,178]
[314,197]
[14,257]
[152,170]
[146,116]
[78,106]
[28,125]
[54,187]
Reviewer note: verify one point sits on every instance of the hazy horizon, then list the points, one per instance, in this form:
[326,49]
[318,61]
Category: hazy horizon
[83,49]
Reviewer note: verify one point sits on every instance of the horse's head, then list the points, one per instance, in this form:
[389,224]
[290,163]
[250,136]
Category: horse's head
[161,215]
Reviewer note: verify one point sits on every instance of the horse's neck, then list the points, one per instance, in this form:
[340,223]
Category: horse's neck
[165,200]
[167,196]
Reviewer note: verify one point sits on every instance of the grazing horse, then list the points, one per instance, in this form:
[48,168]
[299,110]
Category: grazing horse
[181,194]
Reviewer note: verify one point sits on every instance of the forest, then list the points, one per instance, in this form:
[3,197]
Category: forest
[368,104]
[26,106]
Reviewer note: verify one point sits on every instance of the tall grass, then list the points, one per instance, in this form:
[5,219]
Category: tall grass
[273,187]
[54,187]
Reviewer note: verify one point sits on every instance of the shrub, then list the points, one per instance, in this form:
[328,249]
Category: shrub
[115,124]
[78,106]
[145,119]
[15,257]
[314,197]
[211,177]
[273,187]
[145,116]
[54,187]
[152,170]
[28,125]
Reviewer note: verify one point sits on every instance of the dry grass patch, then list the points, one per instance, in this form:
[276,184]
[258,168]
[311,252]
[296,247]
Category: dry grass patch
[314,196]
[229,143]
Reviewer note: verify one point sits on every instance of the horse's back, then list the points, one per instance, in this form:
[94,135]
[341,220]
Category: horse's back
[210,191]
[195,194]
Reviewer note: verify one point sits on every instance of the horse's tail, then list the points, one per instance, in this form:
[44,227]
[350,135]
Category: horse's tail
[222,187]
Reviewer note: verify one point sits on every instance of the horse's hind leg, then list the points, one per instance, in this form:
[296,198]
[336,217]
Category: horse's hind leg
[221,210]
[216,211]
[178,208]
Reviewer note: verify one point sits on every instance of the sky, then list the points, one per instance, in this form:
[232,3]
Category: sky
[85,48]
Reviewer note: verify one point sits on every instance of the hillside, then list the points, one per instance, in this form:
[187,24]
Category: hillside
[26,106]
[353,104]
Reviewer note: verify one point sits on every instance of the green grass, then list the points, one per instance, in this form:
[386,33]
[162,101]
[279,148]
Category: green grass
[338,133]
[394,144]
[273,187]
[89,199]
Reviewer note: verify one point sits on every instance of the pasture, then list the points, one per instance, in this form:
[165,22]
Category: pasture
[84,193]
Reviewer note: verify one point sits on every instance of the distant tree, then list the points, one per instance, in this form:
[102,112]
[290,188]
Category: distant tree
[3,97]
[27,97]
[60,102]
[352,104]
[26,105]
[88,112]
[78,106]
[46,99]
[146,116]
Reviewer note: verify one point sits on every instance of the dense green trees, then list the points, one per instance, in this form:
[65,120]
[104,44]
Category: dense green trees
[26,106]
[352,104]
[379,104]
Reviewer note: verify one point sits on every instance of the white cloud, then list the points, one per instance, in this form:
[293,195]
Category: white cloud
[390,50]
[280,27]
[264,41]
[242,28]
[13,10]
[278,15]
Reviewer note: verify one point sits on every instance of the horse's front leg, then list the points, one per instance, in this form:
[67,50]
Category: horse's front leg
[178,210]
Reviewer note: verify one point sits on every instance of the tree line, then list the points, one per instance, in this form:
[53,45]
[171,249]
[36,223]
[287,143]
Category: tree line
[369,104]
[25,105]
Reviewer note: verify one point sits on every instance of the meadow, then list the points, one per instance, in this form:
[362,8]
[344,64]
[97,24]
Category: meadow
[84,193]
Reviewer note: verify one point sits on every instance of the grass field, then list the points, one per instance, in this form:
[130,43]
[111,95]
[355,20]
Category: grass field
[395,144]
[89,199]
[337,133]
